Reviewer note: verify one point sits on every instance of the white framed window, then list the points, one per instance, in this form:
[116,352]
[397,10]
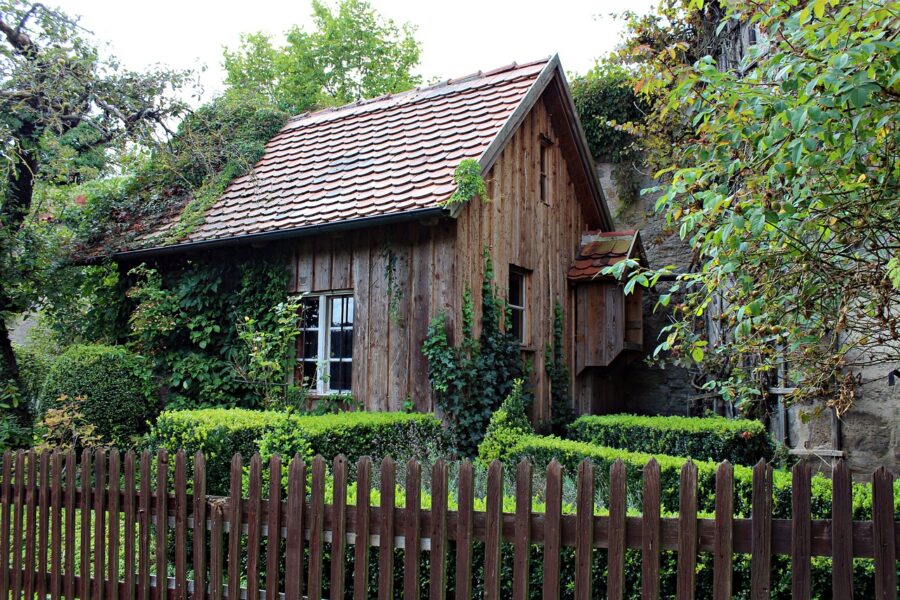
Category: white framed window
[325,343]
[515,300]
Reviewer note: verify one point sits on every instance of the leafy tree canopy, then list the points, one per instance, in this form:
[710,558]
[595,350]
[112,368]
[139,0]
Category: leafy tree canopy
[352,53]
[783,176]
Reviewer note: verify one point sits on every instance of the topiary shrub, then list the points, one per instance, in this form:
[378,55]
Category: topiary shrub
[741,442]
[508,424]
[113,386]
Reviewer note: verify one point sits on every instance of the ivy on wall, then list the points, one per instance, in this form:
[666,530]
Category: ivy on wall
[471,380]
[557,371]
[469,183]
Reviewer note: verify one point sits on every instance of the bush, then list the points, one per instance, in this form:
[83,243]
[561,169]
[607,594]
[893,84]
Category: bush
[541,450]
[34,365]
[220,433]
[741,442]
[507,425]
[114,387]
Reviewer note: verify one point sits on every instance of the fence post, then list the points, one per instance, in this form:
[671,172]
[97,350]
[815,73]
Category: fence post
[215,553]
[464,529]
[338,526]
[200,527]
[687,531]
[56,544]
[254,526]
[71,473]
[316,527]
[113,531]
[650,532]
[841,531]
[273,543]
[129,510]
[30,524]
[616,581]
[723,547]
[43,525]
[5,519]
[234,528]
[361,550]
[293,555]
[522,556]
[144,520]
[584,529]
[386,530]
[552,530]
[883,534]
[494,520]
[761,544]
[800,532]
[162,524]
[181,513]
[85,567]
[412,538]
[438,584]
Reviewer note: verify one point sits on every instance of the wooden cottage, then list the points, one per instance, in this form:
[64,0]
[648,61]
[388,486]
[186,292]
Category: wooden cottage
[355,195]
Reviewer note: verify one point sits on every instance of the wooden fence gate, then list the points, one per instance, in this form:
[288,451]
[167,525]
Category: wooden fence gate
[99,529]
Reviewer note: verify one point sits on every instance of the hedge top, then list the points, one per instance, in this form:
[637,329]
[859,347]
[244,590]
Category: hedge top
[713,424]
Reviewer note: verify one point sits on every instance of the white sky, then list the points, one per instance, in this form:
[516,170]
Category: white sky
[457,37]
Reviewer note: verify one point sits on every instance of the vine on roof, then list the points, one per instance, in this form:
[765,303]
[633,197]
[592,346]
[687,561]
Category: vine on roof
[469,184]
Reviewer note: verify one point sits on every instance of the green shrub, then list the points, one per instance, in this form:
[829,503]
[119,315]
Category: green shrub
[115,387]
[507,425]
[741,442]
[34,365]
[221,432]
[541,450]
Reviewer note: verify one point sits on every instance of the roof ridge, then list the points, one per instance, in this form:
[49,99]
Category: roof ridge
[443,83]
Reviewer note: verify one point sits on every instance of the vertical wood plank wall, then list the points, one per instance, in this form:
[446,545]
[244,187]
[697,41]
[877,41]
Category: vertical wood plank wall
[436,261]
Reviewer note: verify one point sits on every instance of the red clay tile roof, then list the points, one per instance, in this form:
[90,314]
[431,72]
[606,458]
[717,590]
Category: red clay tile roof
[372,158]
[600,249]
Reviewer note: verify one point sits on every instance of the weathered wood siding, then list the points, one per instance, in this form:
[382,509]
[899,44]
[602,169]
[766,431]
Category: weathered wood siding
[519,229]
[388,366]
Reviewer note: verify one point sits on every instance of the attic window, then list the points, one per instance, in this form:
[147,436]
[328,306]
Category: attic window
[546,142]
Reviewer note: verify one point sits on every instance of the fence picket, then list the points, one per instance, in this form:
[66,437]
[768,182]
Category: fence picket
[85,548]
[883,534]
[552,530]
[584,529]
[841,531]
[616,580]
[234,528]
[522,551]
[200,527]
[492,534]
[128,508]
[6,492]
[43,540]
[338,526]
[69,578]
[181,516]
[316,527]
[687,531]
[215,552]
[161,589]
[386,530]
[723,550]
[30,524]
[293,551]
[438,583]
[650,532]
[56,541]
[254,525]
[761,543]
[465,524]
[144,527]
[273,544]
[800,532]
[112,563]
[411,534]
[361,549]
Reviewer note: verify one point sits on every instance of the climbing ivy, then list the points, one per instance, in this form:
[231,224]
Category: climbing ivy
[469,183]
[394,292]
[471,380]
[558,377]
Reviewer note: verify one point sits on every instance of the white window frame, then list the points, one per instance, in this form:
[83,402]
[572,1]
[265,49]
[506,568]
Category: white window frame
[323,360]
[522,309]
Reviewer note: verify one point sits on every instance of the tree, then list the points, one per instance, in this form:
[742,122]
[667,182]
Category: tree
[352,53]
[63,109]
[785,181]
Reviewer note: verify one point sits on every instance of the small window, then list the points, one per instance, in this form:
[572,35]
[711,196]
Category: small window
[516,301]
[325,344]
[545,143]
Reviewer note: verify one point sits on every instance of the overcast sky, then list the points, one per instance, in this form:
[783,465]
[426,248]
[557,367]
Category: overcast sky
[457,37]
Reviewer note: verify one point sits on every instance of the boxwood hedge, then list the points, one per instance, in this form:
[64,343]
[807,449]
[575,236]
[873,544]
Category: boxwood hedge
[740,441]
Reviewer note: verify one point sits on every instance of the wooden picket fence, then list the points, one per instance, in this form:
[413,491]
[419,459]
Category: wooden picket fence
[92,530]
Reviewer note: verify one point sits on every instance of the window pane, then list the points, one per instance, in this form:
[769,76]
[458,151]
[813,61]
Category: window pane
[342,311]
[309,317]
[341,344]
[515,289]
[517,330]
[340,375]
[309,344]
[308,372]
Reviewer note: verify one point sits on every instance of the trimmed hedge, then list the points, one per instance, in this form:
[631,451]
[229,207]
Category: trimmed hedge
[541,450]
[116,387]
[222,432]
[742,442]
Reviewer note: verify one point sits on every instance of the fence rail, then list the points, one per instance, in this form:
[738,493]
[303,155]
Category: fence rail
[99,528]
